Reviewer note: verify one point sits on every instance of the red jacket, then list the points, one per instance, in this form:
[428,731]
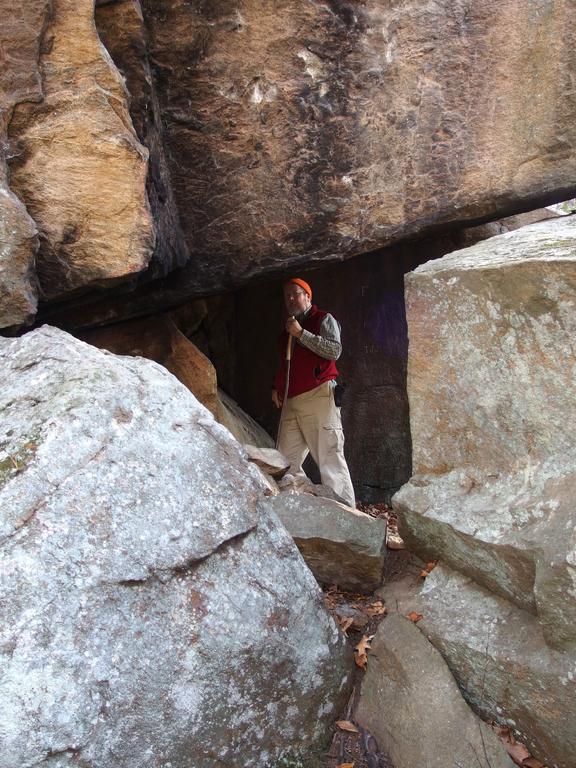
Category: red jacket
[307,369]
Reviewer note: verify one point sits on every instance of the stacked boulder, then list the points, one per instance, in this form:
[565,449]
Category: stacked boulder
[493,413]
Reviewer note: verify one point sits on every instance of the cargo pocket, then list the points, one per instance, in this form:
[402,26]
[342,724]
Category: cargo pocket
[333,438]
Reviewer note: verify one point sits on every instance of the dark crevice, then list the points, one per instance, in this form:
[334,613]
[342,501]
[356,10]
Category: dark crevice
[56,753]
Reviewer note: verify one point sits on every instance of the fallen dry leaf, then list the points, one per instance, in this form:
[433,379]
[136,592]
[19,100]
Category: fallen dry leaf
[413,616]
[376,609]
[360,651]
[345,624]
[426,571]
[502,730]
[345,765]
[330,602]
[517,751]
[346,725]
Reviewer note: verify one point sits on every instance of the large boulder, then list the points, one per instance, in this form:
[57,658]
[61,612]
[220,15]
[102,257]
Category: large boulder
[513,534]
[340,545]
[492,407]
[491,332]
[319,131]
[410,702]
[76,162]
[492,365]
[152,610]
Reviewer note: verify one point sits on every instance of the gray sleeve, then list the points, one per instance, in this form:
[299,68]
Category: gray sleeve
[327,344]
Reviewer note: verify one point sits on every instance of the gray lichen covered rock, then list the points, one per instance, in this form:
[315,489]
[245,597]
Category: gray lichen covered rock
[502,663]
[152,613]
[492,406]
[491,379]
[410,702]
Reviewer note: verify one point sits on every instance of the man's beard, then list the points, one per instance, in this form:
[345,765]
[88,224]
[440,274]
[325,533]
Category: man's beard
[301,315]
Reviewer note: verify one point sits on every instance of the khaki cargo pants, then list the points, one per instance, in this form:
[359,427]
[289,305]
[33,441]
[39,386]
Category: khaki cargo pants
[311,422]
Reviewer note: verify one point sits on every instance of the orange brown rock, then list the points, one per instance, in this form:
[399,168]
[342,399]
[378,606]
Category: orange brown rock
[159,339]
[77,164]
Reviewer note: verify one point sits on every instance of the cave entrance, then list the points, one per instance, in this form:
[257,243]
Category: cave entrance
[366,295]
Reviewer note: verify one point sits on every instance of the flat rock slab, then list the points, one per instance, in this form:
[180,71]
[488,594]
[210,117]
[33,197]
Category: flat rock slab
[500,658]
[269,460]
[411,704]
[244,428]
[152,610]
[339,544]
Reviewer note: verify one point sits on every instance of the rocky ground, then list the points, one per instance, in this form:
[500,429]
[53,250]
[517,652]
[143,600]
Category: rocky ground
[359,616]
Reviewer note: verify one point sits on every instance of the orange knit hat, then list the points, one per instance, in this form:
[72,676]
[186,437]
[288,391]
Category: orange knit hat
[302,283]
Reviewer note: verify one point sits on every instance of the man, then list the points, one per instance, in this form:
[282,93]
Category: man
[310,420]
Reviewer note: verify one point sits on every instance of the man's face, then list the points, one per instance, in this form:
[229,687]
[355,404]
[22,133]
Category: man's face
[296,299]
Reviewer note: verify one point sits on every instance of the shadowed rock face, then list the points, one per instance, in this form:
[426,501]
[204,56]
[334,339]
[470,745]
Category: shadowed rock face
[121,28]
[18,242]
[19,81]
[76,162]
[305,131]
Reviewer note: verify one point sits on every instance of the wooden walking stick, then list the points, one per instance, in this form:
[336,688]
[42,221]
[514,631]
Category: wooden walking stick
[286,385]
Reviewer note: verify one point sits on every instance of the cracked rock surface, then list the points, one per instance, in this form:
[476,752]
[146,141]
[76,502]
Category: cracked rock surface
[152,612]
[410,702]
